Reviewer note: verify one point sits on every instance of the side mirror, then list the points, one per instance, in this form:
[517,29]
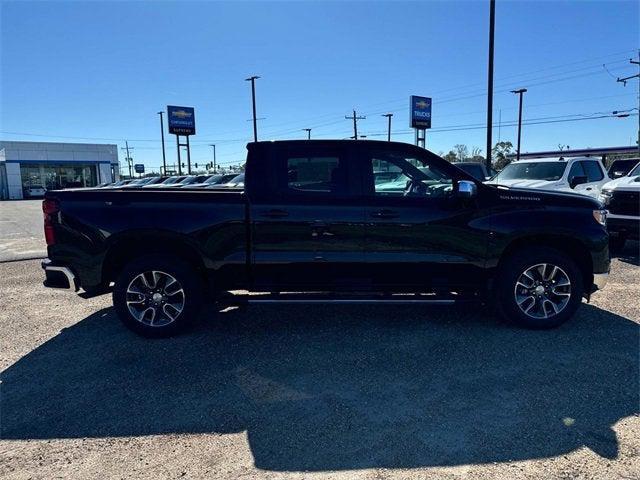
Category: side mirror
[467,189]
[577,180]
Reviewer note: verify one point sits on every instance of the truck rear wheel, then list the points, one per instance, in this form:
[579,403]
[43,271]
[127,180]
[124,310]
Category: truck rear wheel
[539,288]
[157,297]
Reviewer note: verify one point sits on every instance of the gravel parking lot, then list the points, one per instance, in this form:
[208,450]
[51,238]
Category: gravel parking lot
[321,391]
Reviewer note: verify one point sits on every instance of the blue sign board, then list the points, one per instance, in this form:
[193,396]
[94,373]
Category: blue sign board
[182,120]
[420,112]
[139,167]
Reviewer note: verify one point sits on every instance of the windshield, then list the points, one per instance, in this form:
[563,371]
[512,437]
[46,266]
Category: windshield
[171,180]
[473,170]
[213,179]
[533,171]
[635,171]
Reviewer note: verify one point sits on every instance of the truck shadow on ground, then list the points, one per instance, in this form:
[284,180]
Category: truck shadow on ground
[329,388]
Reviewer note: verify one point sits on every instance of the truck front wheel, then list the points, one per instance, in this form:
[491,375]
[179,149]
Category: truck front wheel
[539,288]
[157,297]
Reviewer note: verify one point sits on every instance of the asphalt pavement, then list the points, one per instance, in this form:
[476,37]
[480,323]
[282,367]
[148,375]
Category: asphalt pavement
[21,230]
[318,391]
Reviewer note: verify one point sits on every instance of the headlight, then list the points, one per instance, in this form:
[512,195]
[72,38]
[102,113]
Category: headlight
[601,217]
[605,197]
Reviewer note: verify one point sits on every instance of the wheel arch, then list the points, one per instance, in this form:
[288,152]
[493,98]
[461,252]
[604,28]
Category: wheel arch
[572,247]
[126,248]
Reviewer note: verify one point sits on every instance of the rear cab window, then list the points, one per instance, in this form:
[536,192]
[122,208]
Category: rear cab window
[315,172]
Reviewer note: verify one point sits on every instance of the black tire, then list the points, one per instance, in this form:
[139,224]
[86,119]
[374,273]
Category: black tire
[616,243]
[512,270]
[171,319]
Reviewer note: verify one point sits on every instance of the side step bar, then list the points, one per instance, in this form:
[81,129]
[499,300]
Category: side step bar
[351,301]
[345,299]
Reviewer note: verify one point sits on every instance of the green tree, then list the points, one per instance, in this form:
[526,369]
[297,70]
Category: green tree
[450,157]
[499,153]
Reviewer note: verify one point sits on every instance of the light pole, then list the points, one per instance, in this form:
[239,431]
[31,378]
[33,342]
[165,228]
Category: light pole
[164,157]
[253,101]
[492,24]
[388,115]
[214,156]
[308,130]
[519,92]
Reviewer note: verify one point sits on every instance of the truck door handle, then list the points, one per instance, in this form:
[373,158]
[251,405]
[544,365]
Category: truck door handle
[385,214]
[275,213]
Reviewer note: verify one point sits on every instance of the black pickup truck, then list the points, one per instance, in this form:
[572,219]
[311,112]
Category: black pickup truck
[337,221]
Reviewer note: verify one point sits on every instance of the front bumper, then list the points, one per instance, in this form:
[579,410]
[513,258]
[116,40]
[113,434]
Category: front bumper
[58,276]
[623,225]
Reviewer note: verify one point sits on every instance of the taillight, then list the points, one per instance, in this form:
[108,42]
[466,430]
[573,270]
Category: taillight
[50,208]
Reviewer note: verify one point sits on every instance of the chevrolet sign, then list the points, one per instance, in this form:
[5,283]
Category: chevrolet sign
[420,113]
[182,120]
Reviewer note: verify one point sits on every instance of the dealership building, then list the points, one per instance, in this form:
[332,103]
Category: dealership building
[27,166]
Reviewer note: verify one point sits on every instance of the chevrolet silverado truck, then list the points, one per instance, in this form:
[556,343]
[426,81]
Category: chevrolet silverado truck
[312,225]
[621,197]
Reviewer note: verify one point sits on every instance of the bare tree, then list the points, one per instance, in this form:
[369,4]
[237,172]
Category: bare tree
[461,151]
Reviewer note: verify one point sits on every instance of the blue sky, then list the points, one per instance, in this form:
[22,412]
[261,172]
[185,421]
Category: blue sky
[101,70]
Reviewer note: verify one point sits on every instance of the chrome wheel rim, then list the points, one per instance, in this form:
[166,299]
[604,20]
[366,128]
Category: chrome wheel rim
[542,291]
[155,298]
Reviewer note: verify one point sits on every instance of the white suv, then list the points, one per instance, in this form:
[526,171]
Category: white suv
[583,175]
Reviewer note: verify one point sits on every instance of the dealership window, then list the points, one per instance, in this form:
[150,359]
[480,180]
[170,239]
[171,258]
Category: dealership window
[54,177]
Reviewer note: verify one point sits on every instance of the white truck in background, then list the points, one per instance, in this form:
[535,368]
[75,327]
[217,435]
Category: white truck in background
[584,175]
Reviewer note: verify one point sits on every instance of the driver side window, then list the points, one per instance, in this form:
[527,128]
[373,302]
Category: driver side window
[404,176]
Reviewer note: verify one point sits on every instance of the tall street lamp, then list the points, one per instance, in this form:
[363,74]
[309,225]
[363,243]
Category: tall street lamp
[214,156]
[519,92]
[253,101]
[164,157]
[388,115]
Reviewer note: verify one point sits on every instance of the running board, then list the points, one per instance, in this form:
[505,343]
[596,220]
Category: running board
[350,301]
[345,299]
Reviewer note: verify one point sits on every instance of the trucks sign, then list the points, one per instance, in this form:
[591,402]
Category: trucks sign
[182,120]
[420,113]
[139,167]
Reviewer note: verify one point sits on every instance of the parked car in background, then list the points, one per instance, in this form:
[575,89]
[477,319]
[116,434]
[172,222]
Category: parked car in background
[34,191]
[141,182]
[216,179]
[582,175]
[620,168]
[169,182]
[622,198]
[236,182]
[119,183]
[477,170]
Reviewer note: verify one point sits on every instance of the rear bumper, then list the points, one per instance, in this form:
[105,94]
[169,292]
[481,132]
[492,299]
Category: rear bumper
[59,276]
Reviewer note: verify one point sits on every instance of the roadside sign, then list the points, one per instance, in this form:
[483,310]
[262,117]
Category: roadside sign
[420,112]
[139,167]
[182,120]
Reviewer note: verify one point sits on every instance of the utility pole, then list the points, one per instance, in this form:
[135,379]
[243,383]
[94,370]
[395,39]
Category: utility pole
[388,115]
[253,101]
[492,23]
[129,159]
[214,156]
[355,119]
[519,92]
[308,130]
[624,82]
[164,157]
